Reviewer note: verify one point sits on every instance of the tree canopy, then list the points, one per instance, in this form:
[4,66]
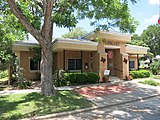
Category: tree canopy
[37,17]
[75,33]
[151,37]
[8,35]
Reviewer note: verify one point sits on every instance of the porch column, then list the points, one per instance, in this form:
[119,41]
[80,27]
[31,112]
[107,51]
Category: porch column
[81,62]
[137,61]
[64,59]
[102,60]
[125,65]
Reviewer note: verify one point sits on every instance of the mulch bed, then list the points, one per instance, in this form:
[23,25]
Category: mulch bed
[101,90]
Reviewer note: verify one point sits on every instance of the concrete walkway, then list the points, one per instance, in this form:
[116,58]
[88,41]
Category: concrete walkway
[114,80]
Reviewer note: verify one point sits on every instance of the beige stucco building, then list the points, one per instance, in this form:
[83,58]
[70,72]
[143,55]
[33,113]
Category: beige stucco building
[94,52]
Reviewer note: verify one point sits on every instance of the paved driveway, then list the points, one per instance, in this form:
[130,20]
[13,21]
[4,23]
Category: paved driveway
[148,109]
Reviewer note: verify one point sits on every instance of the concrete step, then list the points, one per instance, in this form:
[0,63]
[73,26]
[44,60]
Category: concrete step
[114,79]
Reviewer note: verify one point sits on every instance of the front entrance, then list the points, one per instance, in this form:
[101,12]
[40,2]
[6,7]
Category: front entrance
[110,61]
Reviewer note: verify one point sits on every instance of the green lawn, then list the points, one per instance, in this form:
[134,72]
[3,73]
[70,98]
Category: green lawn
[150,82]
[156,77]
[19,106]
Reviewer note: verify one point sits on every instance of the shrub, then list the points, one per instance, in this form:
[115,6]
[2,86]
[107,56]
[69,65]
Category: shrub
[151,82]
[24,84]
[81,78]
[3,74]
[21,81]
[155,67]
[58,78]
[63,79]
[140,74]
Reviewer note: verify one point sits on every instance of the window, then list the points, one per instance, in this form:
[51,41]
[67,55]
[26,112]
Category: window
[74,64]
[131,64]
[34,65]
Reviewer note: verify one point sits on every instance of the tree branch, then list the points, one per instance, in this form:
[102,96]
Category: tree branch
[18,13]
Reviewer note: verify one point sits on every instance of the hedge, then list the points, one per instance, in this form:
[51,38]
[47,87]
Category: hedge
[79,78]
[140,74]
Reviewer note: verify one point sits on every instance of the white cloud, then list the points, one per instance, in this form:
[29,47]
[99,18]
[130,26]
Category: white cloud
[153,19]
[153,2]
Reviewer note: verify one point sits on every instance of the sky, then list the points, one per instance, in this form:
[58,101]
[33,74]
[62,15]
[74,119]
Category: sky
[144,11]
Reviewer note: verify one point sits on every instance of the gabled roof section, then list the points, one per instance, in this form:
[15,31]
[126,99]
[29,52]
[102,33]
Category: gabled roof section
[108,35]
[59,44]
[23,45]
[134,49]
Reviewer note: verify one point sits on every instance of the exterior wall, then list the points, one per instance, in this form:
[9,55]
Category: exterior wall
[60,59]
[118,64]
[24,63]
[84,55]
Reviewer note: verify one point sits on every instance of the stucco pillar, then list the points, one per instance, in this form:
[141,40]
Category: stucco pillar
[102,60]
[125,65]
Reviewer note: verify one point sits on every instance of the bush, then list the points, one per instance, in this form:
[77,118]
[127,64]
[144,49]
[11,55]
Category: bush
[140,74]
[3,74]
[24,84]
[63,79]
[21,81]
[58,78]
[155,67]
[81,78]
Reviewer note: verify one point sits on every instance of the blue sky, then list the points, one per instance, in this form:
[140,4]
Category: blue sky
[145,11]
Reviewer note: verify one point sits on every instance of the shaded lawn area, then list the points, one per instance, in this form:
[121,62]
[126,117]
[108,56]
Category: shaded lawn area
[19,106]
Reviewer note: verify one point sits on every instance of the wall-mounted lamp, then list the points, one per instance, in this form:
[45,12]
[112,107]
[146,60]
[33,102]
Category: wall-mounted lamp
[86,65]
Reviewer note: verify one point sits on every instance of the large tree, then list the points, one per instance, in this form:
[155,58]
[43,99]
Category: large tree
[38,17]
[136,40]
[151,37]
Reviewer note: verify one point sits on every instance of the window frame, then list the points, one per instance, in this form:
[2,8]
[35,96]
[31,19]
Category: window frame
[75,66]
[132,68]
[38,69]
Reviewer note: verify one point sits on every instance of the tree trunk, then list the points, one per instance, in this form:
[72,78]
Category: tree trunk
[47,87]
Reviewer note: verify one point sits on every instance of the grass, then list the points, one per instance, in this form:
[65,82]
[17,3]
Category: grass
[17,106]
[156,77]
[150,82]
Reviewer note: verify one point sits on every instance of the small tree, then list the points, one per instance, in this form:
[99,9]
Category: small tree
[155,67]
[75,33]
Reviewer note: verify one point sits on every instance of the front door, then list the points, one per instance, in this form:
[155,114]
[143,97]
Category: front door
[110,61]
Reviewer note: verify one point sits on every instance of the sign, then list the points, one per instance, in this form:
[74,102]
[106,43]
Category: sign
[110,54]
[112,43]
[106,72]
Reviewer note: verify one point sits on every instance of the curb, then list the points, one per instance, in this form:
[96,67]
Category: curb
[88,109]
